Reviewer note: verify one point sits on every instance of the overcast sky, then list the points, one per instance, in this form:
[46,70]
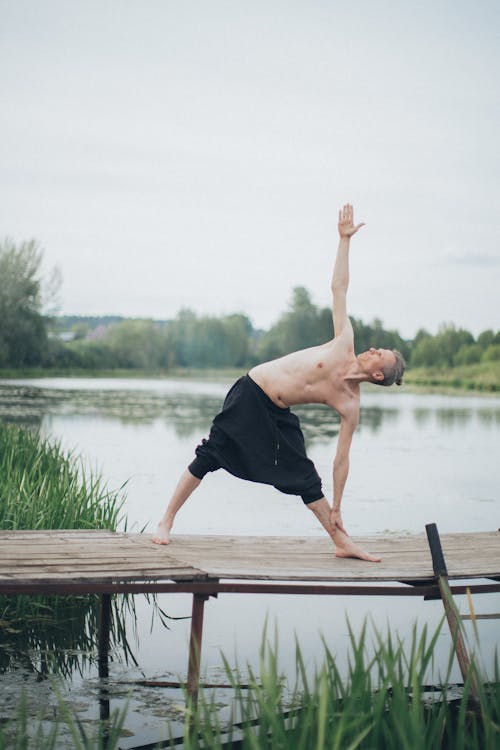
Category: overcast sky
[194,153]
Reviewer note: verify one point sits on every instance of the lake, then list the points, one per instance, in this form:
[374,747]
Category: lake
[416,458]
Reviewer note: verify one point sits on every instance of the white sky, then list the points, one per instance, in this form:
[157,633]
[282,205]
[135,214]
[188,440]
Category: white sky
[171,153]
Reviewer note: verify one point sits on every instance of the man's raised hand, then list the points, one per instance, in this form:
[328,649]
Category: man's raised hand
[346,222]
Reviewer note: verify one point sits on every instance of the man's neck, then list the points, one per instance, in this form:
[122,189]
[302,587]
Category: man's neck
[356,373]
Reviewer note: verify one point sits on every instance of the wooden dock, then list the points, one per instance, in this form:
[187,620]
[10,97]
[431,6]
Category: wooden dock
[103,562]
[98,561]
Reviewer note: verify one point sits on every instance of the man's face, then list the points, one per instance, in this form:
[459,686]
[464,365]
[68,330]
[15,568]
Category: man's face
[376,361]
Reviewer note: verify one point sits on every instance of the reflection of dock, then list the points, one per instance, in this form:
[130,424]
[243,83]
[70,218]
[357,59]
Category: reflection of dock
[66,562]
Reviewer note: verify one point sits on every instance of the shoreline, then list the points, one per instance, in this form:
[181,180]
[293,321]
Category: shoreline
[460,381]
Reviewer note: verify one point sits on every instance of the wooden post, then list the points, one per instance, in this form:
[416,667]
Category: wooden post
[103,663]
[193,678]
[104,629]
[450,608]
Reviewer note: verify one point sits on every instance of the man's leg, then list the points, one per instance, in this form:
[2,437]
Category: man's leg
[185,486]
[344,545]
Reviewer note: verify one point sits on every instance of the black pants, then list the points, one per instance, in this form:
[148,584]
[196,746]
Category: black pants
[253,438]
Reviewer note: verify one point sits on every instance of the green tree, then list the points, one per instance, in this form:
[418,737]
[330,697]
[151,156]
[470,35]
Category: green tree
[302,325]
[80,330]
[374,334]
[23,328]
[209,341]
[425,352]
[306,325]
[485,338]
[468,354]
[136,344]
[491,353]
[442,349]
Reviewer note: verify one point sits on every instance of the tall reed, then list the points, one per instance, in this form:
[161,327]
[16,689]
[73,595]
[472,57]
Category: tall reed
[382,702]
[44,487]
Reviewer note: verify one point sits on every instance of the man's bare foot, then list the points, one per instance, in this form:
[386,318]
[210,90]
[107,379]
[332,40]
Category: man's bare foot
[345,547]
[163,535]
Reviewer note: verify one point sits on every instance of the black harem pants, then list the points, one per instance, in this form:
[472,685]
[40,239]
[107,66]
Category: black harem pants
[253,438]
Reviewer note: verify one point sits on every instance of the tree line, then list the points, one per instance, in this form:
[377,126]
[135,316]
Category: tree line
[30,337]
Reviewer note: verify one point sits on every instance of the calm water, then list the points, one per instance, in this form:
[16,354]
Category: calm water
[415,459]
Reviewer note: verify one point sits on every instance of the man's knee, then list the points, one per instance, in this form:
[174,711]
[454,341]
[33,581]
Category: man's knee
[198,468]
[192,478]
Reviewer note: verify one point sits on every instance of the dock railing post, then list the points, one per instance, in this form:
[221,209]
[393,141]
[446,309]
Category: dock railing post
[450,608]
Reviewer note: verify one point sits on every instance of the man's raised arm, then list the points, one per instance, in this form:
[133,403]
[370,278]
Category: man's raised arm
[340,279]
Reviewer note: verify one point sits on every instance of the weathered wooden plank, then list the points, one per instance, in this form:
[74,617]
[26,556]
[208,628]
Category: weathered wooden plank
[129,570]
[96,574]
[50,534]
[243,557]
[63,555]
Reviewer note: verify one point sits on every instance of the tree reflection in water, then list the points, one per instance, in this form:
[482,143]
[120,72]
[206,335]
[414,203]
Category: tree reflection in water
[57,635]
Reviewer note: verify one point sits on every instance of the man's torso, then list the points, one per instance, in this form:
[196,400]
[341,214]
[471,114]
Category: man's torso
[317,375]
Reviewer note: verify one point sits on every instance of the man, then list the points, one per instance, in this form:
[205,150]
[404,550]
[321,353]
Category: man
[257,437]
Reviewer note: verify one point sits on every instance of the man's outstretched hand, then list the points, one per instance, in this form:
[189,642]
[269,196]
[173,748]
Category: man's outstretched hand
[346,222]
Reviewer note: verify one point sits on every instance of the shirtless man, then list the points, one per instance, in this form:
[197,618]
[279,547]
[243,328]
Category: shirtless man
[256,436]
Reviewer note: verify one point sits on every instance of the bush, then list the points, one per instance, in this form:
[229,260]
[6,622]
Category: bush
[491,353]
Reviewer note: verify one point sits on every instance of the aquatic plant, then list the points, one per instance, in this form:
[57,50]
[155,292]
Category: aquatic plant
[66,731]
[44,487]
[381,703]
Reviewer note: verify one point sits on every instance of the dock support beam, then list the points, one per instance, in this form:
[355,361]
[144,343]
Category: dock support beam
[104,630]
[193,678]
[103,657]
[450,608]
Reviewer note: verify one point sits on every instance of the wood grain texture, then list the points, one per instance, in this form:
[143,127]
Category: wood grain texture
[103,556]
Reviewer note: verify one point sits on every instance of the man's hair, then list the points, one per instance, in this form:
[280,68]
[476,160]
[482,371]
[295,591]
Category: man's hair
[395,373]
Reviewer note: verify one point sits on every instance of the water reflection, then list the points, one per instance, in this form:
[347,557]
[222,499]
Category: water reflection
[188,413]
[48,635]
[489,416]
[453,417]
[422,416]
[373,417]
[456,417]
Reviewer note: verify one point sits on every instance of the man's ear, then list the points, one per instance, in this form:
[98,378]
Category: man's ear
[378,375]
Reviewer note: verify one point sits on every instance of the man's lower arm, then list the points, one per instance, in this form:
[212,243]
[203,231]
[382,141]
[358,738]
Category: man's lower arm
[339,480]
[340,278]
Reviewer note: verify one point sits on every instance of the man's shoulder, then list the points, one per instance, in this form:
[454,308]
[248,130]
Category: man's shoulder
[350,410]
[346,402]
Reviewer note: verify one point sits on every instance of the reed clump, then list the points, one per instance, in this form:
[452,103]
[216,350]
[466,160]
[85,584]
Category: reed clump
[44,487]
[383,702]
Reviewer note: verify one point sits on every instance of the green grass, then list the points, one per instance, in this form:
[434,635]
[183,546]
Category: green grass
[483,377]
[44,487]
[382,703]
[21,734]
